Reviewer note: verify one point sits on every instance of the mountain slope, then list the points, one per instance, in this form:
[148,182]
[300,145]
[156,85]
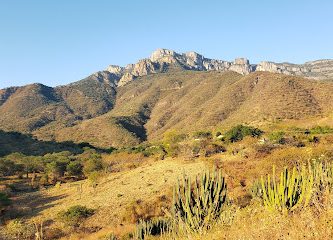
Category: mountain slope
[190,101]
[126,105]
[34,106]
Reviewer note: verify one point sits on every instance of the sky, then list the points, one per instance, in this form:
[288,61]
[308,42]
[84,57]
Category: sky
[56,42]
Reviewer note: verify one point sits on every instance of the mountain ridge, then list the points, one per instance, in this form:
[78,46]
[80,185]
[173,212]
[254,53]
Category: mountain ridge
[127,105]
[163,58]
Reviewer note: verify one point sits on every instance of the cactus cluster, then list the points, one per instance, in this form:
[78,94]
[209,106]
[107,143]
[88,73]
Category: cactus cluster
[323,183]
[196,205]
[293,190]
[152,227]
[323,175]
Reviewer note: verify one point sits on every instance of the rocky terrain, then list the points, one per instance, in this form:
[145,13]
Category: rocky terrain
[162,59]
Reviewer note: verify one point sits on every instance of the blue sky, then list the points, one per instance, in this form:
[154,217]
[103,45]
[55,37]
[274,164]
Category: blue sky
[57,42]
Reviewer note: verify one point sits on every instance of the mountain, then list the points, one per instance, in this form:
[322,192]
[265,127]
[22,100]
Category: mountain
[191,101]
[31,107]
[163,59]
[126,105]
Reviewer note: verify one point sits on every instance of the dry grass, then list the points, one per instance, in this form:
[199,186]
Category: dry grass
[254,222]
[113,196]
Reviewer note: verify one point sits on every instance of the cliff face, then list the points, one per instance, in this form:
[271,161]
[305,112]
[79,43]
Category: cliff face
[321,69]
[162,59]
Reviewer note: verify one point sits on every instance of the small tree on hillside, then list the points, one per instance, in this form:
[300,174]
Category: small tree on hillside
[92,165]
[74,168]
[239,132]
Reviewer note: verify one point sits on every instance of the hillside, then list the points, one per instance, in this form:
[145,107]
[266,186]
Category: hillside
[190,101]
[94,110]
[34,106]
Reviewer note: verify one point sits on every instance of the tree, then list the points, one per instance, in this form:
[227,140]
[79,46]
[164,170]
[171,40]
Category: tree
[92,165]
[55,170]
[74,168]
[7,167]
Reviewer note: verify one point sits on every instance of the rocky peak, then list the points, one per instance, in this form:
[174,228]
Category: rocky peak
[194,60]
[115,69]
[242,61]
[161,59]
[161,54]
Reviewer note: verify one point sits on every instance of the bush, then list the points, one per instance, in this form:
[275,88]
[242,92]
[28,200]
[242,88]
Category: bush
[321,130]
[171,142]
[92,165]
[7,167]
[213,148]
[93,178]
[74,168]
[75,215]
[277,137]
[55,170]
[4,200]
[239,132]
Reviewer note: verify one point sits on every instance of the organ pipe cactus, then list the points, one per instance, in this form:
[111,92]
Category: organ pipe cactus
[153,227]
[323,175]
[197,205]
[323,183]
[293,190]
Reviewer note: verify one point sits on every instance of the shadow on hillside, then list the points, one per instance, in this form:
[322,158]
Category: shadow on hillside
[34,203]
[11,142]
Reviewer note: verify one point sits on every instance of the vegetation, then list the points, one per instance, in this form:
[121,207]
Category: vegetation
[196,208]
[293,190]
[4,201]
[17,229]
[75,215]
[133,186]
[154,227]
[239,132]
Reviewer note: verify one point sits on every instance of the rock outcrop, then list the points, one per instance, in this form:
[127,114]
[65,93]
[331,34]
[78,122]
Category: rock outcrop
[162,59]
[320,69]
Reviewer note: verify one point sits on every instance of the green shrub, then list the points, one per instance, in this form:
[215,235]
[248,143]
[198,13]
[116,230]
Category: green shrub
[321,130]
[293,190]
[56,169]
[239,132]
[74,168]
[277,137]
[4,200]
[7,167]
[75,215]
[93,178]
[171,142]
[196,207]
